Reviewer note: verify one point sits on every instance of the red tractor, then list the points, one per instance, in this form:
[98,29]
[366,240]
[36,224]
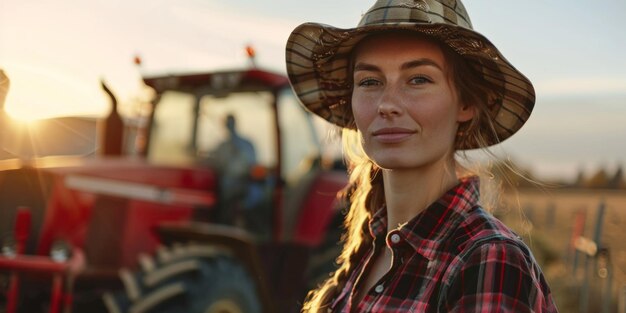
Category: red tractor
[220,209]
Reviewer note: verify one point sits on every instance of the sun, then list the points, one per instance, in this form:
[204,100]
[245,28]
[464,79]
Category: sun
[26,116]
[37,93]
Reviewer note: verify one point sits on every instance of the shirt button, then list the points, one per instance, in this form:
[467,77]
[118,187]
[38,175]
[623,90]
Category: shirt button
[395,238]
[379,288]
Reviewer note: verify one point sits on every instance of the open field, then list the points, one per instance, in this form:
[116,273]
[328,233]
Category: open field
[547,218]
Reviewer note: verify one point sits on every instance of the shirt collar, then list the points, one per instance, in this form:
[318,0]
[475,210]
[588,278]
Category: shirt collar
[427,230]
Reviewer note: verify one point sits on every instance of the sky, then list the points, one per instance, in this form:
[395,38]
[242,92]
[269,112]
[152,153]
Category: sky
[55,53]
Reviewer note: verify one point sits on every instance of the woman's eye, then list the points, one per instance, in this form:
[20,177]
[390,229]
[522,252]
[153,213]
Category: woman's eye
[367,82]
[419,80]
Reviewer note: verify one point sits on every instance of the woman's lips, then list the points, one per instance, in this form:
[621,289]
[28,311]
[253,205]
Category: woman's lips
[393,134]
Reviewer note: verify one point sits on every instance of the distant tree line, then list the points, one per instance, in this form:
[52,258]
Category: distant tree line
[601,180]
[511,175]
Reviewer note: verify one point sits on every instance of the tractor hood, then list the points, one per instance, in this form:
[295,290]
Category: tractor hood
[131,178]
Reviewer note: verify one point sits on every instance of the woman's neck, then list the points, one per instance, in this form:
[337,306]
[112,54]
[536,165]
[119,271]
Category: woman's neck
[408,192]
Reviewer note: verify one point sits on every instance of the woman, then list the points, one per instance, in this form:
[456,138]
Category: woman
[411,85]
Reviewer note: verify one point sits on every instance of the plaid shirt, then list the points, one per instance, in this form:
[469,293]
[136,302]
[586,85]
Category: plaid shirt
[452,257]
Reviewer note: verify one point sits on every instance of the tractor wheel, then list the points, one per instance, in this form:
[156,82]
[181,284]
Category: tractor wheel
[191,278]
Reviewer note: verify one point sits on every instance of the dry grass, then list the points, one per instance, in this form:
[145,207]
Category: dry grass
[546,219]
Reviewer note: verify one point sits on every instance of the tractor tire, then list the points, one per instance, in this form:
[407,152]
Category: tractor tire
[190,279]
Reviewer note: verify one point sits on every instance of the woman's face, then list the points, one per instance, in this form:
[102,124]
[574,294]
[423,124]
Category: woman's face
[404,103]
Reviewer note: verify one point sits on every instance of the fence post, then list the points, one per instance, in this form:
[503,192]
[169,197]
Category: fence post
[577,231]
[605,272]
[584,294]
[621,298]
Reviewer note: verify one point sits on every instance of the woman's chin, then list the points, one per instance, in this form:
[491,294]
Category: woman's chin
[393,164]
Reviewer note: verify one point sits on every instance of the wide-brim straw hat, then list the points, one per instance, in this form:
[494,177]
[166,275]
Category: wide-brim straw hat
[318,61]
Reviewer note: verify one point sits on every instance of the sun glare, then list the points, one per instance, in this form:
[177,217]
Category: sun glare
[24,117]
[38,93]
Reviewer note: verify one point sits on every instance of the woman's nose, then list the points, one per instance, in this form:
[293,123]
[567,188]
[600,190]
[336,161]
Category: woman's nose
[389,104]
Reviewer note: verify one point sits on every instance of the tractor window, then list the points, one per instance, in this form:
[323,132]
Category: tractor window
[252,118]
[173,140]
[172,129]
[299,138]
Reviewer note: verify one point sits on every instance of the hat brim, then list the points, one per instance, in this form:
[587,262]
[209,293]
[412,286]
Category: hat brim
[318,65]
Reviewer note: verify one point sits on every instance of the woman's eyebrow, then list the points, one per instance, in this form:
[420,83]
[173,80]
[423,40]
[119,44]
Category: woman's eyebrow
[420,62]
[366,67]
[361,66]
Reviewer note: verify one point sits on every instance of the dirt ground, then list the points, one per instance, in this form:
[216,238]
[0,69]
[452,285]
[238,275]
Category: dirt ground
[546,218]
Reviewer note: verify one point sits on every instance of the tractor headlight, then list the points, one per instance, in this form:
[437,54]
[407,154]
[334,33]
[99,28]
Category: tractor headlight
[60,251]
[8,251]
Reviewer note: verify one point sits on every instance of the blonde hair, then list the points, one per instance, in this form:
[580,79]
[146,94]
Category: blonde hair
[365,189]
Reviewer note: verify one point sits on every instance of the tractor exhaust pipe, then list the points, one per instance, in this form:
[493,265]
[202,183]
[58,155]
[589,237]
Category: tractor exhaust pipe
[111,129]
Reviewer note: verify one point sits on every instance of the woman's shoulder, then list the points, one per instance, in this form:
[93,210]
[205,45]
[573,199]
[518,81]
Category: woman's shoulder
[494,259]
[480,227]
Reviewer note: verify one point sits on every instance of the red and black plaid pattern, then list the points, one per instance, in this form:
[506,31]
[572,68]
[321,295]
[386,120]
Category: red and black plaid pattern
[318,58]
[452,257]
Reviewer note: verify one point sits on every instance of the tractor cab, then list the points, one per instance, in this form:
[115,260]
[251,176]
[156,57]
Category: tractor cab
[249,129]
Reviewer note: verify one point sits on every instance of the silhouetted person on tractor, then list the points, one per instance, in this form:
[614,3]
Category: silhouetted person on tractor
[234,159]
